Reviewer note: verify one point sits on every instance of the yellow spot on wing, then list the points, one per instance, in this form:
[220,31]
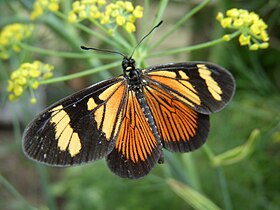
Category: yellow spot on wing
[98,115]
[64,134]
[183,75]
[163,73]
[64,138]
[57,108]
[91,104]
[75,145]
[212,85]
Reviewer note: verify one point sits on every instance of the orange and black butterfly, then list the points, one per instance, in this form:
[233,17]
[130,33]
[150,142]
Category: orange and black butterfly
[130,119]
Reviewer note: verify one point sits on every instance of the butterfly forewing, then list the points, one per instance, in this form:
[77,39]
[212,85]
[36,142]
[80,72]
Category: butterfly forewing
[202,86]
[79,128]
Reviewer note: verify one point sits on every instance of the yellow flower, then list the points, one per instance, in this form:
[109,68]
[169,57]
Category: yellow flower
[105,19]
[101,2]
[264,45]
[111,15]
[33,100]
[53,6]
[252,29]
[238,23]
[226,37]
[244,40]
[72,17]
[35,85]
[226,22]
[255,28]
[254,47]
[11,36]
[219,16]
[120,20]
[130,27]
[264,36]
[34,72]
[232,12]
[27,76]
[18,90]
[94,13]
[138,12]
[128,6]
[41,6]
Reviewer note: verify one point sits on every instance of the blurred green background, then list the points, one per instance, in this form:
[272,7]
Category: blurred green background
[245,177]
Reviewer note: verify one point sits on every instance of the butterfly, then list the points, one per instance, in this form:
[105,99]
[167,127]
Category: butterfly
[131,118]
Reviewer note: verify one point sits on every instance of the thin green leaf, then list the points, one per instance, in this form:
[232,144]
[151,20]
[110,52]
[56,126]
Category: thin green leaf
[191,196]
[238,153]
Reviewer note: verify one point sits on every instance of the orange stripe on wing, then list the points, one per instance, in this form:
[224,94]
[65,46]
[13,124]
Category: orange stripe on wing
[106,121]
[183,87]
[136,140]
[174,120]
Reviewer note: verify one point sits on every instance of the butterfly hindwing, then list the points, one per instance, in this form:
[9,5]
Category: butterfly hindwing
[137,149]
[202,86]
[79,128]
[181,128]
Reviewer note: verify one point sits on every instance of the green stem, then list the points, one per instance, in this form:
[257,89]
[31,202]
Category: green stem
[180,22]
[132,40]
[224,189]
[93,33]
[161,8]
[62,54]
[193,175]
[221,178]
[122,41]
[146,17]
[15,193]
[194,47]
[63,30]
[117,41]
[80,74]
[208,152]
[45,185]
[99,26]
[116,36]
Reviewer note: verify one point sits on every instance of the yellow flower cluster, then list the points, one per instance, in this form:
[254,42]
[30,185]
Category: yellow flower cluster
[28,76]
[40,6]
[11,35]
[252,28]
[113,15]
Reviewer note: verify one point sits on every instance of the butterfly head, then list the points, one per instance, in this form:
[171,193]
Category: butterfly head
[128,64]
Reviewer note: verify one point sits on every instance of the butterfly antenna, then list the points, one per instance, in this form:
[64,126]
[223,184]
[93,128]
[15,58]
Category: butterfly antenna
[119,53]
[103,50]
[145,37]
